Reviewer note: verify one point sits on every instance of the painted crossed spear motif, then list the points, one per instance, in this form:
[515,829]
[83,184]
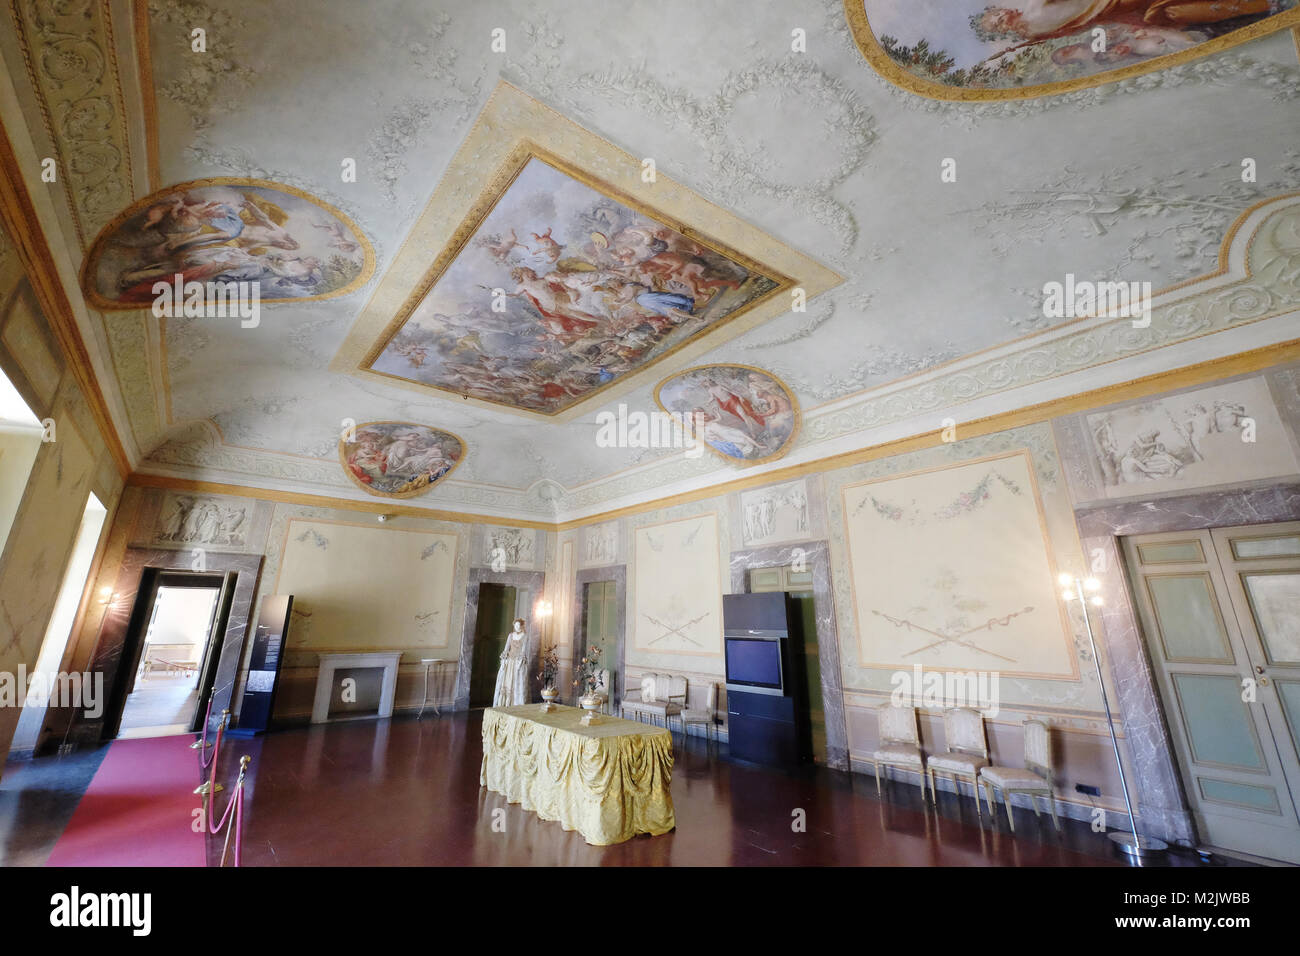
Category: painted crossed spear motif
[956,638]
[669,630]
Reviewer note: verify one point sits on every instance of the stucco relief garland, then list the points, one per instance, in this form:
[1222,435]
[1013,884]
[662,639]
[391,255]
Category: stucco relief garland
[852,135]
[1187,221]
[208,85]
[409,121]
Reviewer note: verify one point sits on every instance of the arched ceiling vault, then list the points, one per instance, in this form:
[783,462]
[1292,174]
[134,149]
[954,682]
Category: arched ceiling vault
[921,228]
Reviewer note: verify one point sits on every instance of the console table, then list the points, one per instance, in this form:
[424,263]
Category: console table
[437,666]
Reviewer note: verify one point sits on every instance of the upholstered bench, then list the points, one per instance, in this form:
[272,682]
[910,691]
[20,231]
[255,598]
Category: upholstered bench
[660,697]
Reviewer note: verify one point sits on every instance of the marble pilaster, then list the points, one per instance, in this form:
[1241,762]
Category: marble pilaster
[817,555]
[529,586]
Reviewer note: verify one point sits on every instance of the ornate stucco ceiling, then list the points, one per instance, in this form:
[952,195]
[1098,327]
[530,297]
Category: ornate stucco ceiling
[1138,180]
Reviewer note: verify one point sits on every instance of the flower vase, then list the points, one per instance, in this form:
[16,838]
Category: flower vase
[549,696]
[591,704]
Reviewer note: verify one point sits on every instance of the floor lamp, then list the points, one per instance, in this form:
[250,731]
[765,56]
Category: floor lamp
[1136,848]
[542,611]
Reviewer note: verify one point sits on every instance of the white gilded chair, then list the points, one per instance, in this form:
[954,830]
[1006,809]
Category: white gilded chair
[1035,778]
[707,716]
[661,697]
[900,743]
[968,752]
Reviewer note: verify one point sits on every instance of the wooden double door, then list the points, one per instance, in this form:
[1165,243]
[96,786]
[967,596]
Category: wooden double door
[1220,612]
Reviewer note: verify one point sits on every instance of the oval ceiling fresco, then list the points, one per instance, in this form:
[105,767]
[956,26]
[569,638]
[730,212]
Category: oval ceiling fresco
[295,247]
[399,459]
[976,50]
[741,413]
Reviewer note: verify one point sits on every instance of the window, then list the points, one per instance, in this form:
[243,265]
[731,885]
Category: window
[20,440]
[59,630]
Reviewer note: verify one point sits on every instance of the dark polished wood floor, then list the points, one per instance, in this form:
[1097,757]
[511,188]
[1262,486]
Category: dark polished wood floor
[404,792]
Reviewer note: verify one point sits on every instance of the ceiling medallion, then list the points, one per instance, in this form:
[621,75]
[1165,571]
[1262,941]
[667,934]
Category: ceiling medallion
[399,459]
[208,231]
[740,412]
[1019,49]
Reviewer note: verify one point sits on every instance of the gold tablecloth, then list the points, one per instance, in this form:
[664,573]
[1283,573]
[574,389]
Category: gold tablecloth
[609,781]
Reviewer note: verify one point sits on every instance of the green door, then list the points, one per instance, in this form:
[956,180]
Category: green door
[799,586]
[600,624]
[496,607]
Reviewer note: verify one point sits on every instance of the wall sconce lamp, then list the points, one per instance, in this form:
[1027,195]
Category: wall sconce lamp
[1136,848]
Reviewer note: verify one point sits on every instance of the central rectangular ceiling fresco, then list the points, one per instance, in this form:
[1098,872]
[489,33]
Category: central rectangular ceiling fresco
[563,287]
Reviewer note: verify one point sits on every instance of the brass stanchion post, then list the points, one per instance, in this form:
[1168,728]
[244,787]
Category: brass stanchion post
[202,742]
[239,796]
[210,786]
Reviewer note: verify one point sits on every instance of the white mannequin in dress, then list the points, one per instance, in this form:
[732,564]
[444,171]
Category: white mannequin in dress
[512,678]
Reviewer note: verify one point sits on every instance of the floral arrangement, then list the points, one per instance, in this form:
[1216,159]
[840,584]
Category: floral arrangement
[550,666]
[590,677]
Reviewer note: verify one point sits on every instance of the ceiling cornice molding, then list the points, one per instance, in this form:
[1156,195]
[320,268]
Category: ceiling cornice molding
[1155,384]
[23,226]
[1208,371]
[142,480]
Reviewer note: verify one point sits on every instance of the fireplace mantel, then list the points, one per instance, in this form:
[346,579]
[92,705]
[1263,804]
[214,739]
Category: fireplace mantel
[329,663]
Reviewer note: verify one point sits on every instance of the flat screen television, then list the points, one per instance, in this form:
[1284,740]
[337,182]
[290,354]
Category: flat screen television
[754,665]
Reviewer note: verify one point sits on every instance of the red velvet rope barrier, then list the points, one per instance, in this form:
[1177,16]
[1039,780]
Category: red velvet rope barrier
[236,803]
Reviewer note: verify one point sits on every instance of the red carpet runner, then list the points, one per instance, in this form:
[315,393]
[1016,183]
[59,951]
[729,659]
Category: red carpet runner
[138,809]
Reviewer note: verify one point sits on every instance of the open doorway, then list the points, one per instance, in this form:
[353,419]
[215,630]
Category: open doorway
[496,613]
[174,649]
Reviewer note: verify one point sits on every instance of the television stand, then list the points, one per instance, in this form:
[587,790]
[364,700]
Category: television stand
[767,729]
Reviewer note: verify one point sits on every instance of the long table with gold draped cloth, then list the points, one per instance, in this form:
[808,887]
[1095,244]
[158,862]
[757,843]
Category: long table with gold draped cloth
[609,781]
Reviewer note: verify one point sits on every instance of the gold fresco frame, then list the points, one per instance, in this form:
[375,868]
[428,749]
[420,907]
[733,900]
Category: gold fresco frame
[864,37]
[464,451]
[511,130]
[517,160]
[91,263]
[789,393]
